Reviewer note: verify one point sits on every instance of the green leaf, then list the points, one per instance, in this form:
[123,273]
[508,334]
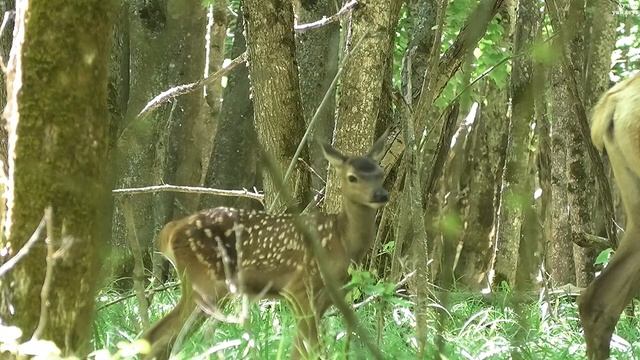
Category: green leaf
[603,257]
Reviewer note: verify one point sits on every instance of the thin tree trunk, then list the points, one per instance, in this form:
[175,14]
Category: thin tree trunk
[189,138]
[559,254]
[216,35]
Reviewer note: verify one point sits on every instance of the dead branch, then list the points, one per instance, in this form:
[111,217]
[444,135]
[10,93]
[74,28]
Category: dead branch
[11,263]
[169,286]
[179,90]
[327,20]
[190,189]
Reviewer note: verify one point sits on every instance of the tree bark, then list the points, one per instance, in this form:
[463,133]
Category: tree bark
[361,85]
[166,49]
[278,115]
[317,54]
[233,162]
[517,190]
[599,46]
[559,249]
[59,137]
[487,152]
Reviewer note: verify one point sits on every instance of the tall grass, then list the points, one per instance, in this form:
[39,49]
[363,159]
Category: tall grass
[471,327]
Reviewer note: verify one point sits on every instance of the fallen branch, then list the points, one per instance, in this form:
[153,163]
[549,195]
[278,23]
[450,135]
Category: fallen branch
[179,90]
[190,189]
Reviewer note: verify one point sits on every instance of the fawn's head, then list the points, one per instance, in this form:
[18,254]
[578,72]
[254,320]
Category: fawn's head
[361,176]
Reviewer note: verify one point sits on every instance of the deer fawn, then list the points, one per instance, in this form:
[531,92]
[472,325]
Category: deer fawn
[225,251]
[616,128]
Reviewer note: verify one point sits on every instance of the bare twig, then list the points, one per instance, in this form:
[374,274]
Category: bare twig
[174,92]
[327,20]
[6,267]
[48,277]
[189,189]
[127,297]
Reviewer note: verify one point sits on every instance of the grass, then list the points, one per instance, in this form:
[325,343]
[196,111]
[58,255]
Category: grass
[472,329]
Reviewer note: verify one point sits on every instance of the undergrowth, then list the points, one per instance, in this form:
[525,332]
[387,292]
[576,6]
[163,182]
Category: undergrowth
[470,327]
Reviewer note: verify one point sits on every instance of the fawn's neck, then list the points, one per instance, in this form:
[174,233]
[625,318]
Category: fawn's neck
[357,227]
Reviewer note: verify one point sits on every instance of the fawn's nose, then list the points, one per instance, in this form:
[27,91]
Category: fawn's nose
[381,196]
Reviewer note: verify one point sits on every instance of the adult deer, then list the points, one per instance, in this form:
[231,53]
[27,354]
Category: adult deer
[616,128]
[224,251]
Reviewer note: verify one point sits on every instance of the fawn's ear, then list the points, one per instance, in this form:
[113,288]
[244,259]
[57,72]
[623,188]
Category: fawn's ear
[377,149]
[335,157]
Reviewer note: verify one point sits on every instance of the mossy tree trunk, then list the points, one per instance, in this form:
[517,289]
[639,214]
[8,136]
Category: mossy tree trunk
[58,132]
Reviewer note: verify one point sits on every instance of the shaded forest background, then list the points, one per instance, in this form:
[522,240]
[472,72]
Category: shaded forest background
[495,186]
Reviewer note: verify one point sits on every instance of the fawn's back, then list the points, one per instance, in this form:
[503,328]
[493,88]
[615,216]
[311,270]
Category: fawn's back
[251,251]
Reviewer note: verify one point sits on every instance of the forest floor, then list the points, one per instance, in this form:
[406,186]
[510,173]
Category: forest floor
[469,327]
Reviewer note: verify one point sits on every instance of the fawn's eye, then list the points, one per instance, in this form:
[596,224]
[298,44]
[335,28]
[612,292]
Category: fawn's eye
[352,179]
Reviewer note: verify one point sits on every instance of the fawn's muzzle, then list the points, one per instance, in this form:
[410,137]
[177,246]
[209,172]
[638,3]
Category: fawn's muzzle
[380,196]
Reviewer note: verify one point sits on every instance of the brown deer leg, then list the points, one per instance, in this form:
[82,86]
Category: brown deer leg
[601,304]
[162,334]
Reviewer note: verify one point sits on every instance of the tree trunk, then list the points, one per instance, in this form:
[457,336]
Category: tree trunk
[559,253]
[278,117]
[233,162]
[317,54]
[167,49]
[517,190]
[189,140]
[600,44]
[5,47]
[361,85]
[418,52]
[485,172]
[216,35]
[59,137]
